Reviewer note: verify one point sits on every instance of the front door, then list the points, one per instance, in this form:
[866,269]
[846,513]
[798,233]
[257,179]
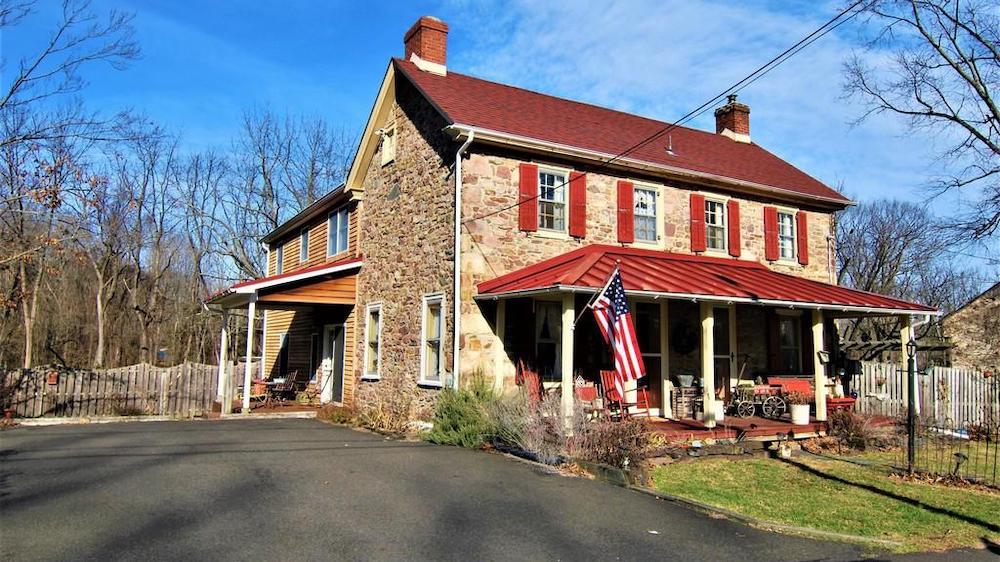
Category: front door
[332,389]
[724,352]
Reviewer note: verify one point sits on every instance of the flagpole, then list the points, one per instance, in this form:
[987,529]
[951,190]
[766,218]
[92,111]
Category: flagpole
[618,264]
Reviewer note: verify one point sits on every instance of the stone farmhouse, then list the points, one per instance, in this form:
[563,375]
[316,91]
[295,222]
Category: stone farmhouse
[478,219]
[973,331]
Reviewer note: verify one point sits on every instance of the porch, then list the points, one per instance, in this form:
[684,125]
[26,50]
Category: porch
[308,321]
[711,330]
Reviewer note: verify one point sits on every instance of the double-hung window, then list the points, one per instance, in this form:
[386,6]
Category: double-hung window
[786,236]
[432,352]
[304,245]
[645,214]
[373,341]
[552,200]
[336,238]
[279,257]
[715,224]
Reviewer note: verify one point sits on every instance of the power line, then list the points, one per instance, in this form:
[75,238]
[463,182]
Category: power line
[739,85]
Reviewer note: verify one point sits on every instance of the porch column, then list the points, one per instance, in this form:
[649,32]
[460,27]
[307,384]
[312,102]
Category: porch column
[223,356]
[819,369]
[499,353]
[666,408]
[905,333]
[247,368]
[708,362]
[568,315]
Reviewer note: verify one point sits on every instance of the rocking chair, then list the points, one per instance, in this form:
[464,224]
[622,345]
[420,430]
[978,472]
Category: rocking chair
[616,403]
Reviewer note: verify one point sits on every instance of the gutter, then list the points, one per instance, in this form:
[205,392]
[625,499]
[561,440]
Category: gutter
[457,281]
[498,137]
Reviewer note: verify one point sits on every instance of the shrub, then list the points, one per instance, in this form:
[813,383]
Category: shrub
[462,417]
[616,443]
[346,415]
[854,431]
[800,397]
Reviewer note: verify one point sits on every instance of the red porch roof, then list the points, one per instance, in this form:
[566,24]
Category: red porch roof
[470,101]
[685,276]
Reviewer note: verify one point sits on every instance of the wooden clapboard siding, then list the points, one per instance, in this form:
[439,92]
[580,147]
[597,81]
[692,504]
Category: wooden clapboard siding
[318,230]
[328,291]
[350,329]
[299,326]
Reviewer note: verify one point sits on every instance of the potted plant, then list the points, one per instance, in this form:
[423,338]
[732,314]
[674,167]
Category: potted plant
[799,402]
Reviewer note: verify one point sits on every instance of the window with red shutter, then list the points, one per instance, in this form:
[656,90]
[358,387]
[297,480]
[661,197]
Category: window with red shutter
[697,222]
[733,208]
[626,220]
[771,233]
[802,234]
[577,204]
[527,208]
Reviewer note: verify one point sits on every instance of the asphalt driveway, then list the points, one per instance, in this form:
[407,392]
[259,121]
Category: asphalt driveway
[304,490]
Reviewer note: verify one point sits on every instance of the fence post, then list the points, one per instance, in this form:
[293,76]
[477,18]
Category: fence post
[164,380]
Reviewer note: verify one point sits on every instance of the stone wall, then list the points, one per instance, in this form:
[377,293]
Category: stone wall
[406,240]
[975,331]
[494,245]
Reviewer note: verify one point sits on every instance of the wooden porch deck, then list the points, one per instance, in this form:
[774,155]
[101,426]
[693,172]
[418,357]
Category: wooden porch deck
[753,429]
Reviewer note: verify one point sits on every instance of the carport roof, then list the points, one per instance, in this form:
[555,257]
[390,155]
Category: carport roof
[664,274]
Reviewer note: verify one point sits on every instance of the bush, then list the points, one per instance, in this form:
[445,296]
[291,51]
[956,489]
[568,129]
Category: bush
[854,431]
[616,443]
[462,417]
[346,415]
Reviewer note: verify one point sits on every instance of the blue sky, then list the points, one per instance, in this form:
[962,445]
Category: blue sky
[203,63]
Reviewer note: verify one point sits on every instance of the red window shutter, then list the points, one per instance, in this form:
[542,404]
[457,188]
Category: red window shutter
[770,233]
[577,204]
[802,235]
[697,222]
[527,208]
[733,210]
[626,208]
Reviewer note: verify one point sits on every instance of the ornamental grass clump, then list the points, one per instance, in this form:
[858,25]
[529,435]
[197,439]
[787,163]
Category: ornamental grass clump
[462,417]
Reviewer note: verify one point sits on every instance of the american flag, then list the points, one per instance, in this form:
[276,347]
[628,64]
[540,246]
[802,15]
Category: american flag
[615,320]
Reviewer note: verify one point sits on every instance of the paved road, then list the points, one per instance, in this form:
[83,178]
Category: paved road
[304,490]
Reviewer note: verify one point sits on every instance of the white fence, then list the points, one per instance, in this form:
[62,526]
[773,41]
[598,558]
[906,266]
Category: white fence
[949,394]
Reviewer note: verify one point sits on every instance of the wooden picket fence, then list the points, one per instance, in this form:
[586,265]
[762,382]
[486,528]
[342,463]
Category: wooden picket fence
[950,394]
[185,390]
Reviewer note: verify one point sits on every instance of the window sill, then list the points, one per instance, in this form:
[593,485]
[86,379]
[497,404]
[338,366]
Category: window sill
[339,255]
[788,261]
[554,234]
[650,244]
[370,378]
[430,384]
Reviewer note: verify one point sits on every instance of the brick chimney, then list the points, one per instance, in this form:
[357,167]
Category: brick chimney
[733,120]
[427,44]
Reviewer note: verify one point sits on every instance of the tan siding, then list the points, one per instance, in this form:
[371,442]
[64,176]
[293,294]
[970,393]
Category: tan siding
[317,244]
[329,291]
[298,325]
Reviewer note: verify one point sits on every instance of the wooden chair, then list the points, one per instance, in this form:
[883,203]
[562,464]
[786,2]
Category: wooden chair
[259,393]
[616,403]
[591,400]
[531,381]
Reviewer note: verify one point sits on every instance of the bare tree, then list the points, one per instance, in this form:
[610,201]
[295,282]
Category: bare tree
[936,63]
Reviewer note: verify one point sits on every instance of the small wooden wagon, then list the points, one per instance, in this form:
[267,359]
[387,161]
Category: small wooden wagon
[770,399]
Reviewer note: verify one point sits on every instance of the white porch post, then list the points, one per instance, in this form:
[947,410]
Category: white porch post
[819,369]
[568,315]
[708,363]
[220,393]
[666,388]
[905,333]
[247,368]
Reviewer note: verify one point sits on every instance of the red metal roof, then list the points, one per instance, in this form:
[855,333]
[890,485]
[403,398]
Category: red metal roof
[687,276]
[480,103]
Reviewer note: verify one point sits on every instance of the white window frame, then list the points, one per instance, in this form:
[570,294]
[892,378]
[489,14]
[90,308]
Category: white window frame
[279,257]
[388,143]
[658,214]
[333,223]
[565,173]
[304,245]
[429,299]
[366,375]
[723,203]
[794,241]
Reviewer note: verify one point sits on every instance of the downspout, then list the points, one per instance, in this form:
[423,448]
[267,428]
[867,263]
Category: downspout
[457,304]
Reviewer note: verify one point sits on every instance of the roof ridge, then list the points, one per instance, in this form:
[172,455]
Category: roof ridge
[577,102]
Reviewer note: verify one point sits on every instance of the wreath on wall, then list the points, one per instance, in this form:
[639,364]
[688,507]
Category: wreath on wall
[683,337]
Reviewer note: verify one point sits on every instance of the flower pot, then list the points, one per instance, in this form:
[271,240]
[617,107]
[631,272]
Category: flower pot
[800,414]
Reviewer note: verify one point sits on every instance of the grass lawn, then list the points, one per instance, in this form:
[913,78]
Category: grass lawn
[840,497]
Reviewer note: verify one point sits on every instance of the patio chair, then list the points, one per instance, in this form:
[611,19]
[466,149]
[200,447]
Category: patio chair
[591,400]
[616,403]
[259,393]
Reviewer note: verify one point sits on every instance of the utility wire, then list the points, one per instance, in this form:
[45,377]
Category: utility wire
[788,53]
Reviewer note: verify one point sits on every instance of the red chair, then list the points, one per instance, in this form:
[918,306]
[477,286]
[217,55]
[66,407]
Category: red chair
[589,397]
[615,402]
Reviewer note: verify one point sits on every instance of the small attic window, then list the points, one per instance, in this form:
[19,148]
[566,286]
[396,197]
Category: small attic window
[388,144]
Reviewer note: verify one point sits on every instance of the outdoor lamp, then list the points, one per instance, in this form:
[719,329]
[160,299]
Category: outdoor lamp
[911,347]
